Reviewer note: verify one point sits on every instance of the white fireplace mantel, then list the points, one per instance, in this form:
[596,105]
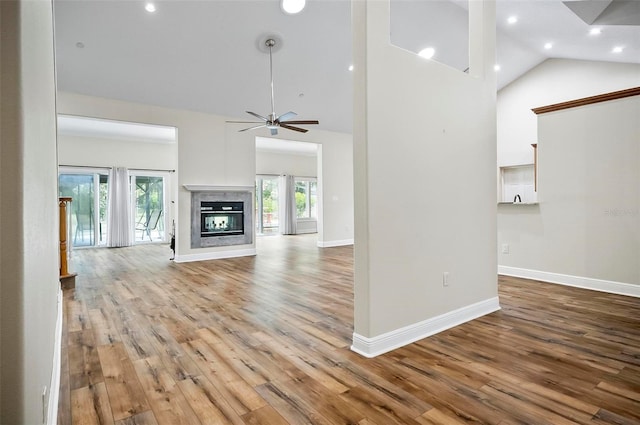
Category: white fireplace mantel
[212,188]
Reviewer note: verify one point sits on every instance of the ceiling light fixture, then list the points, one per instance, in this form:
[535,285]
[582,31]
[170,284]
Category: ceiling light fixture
[427,53]
[548,45]
[350,67]
[292,6]
[617,49]
[496,67]
[512,20]
[150,7]
[595,31]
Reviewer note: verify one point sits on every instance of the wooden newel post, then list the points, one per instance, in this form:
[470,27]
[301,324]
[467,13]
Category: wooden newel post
[64,268]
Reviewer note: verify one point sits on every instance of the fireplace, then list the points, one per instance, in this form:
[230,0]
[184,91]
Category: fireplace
[218,218]
[221,217]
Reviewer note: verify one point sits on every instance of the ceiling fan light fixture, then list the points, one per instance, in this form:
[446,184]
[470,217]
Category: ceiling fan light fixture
[292,7]
[273,121]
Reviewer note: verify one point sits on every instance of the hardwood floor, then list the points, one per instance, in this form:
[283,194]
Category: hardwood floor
[265,340]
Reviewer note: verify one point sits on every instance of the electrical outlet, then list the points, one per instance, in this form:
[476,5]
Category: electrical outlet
[505,248]
[445,279]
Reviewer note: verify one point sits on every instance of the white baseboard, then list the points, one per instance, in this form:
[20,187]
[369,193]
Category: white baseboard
[329,244]
[372,347]
[217,255]
[54,385]
[576,281]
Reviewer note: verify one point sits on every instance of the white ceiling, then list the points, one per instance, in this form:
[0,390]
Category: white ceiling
[203,55]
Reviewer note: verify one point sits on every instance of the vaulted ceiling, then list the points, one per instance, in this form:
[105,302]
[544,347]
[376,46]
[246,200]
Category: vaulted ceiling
[206,55]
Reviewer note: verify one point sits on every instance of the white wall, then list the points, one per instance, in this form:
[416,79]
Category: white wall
[586,229]
[335,182]
[528,230]
[553,81]
[424,142]
[102,152]
[286,163]
[29,283]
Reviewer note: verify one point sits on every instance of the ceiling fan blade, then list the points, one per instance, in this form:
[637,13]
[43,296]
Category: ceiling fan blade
[303,122]
[290,127]
[256,115]
[243,122]
[254,127]
[285,117]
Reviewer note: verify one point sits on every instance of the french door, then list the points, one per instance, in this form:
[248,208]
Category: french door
[267,198]
[148,201]
[88,209]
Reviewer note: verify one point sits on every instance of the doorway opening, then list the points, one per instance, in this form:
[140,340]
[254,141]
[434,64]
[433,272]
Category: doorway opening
[288,195]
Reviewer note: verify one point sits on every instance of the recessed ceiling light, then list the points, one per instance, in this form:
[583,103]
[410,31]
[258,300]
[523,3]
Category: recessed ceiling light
[618,49]
[512,19]
[548,45]
[293,6]
[350,67]
[80,45]
[595,31]
[150,7]
[427,53]
[496,67]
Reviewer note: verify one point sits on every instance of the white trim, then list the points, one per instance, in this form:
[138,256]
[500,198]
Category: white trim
[54,385]
[372,347]
[329,244]
[215,255]
[609,286]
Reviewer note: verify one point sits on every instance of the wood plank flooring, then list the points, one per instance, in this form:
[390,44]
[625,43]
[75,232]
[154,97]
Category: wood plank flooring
[265,340]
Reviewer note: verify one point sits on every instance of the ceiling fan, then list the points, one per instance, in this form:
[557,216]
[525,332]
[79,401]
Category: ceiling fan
[273,121]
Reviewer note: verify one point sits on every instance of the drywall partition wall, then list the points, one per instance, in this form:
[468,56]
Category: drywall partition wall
[553,81]
[586,230]
[212,152]
[30,308]
[286,163]
[419,219]
[335,183]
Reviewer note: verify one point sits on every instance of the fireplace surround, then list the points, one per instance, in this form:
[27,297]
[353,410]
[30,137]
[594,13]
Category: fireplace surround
[221,218]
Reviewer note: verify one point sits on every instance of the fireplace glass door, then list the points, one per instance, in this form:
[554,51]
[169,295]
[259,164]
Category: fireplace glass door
[221,218]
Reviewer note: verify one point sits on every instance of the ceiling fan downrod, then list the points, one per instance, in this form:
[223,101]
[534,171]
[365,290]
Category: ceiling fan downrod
[270,43]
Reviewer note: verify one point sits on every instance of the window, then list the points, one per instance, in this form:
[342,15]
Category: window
[306,198]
